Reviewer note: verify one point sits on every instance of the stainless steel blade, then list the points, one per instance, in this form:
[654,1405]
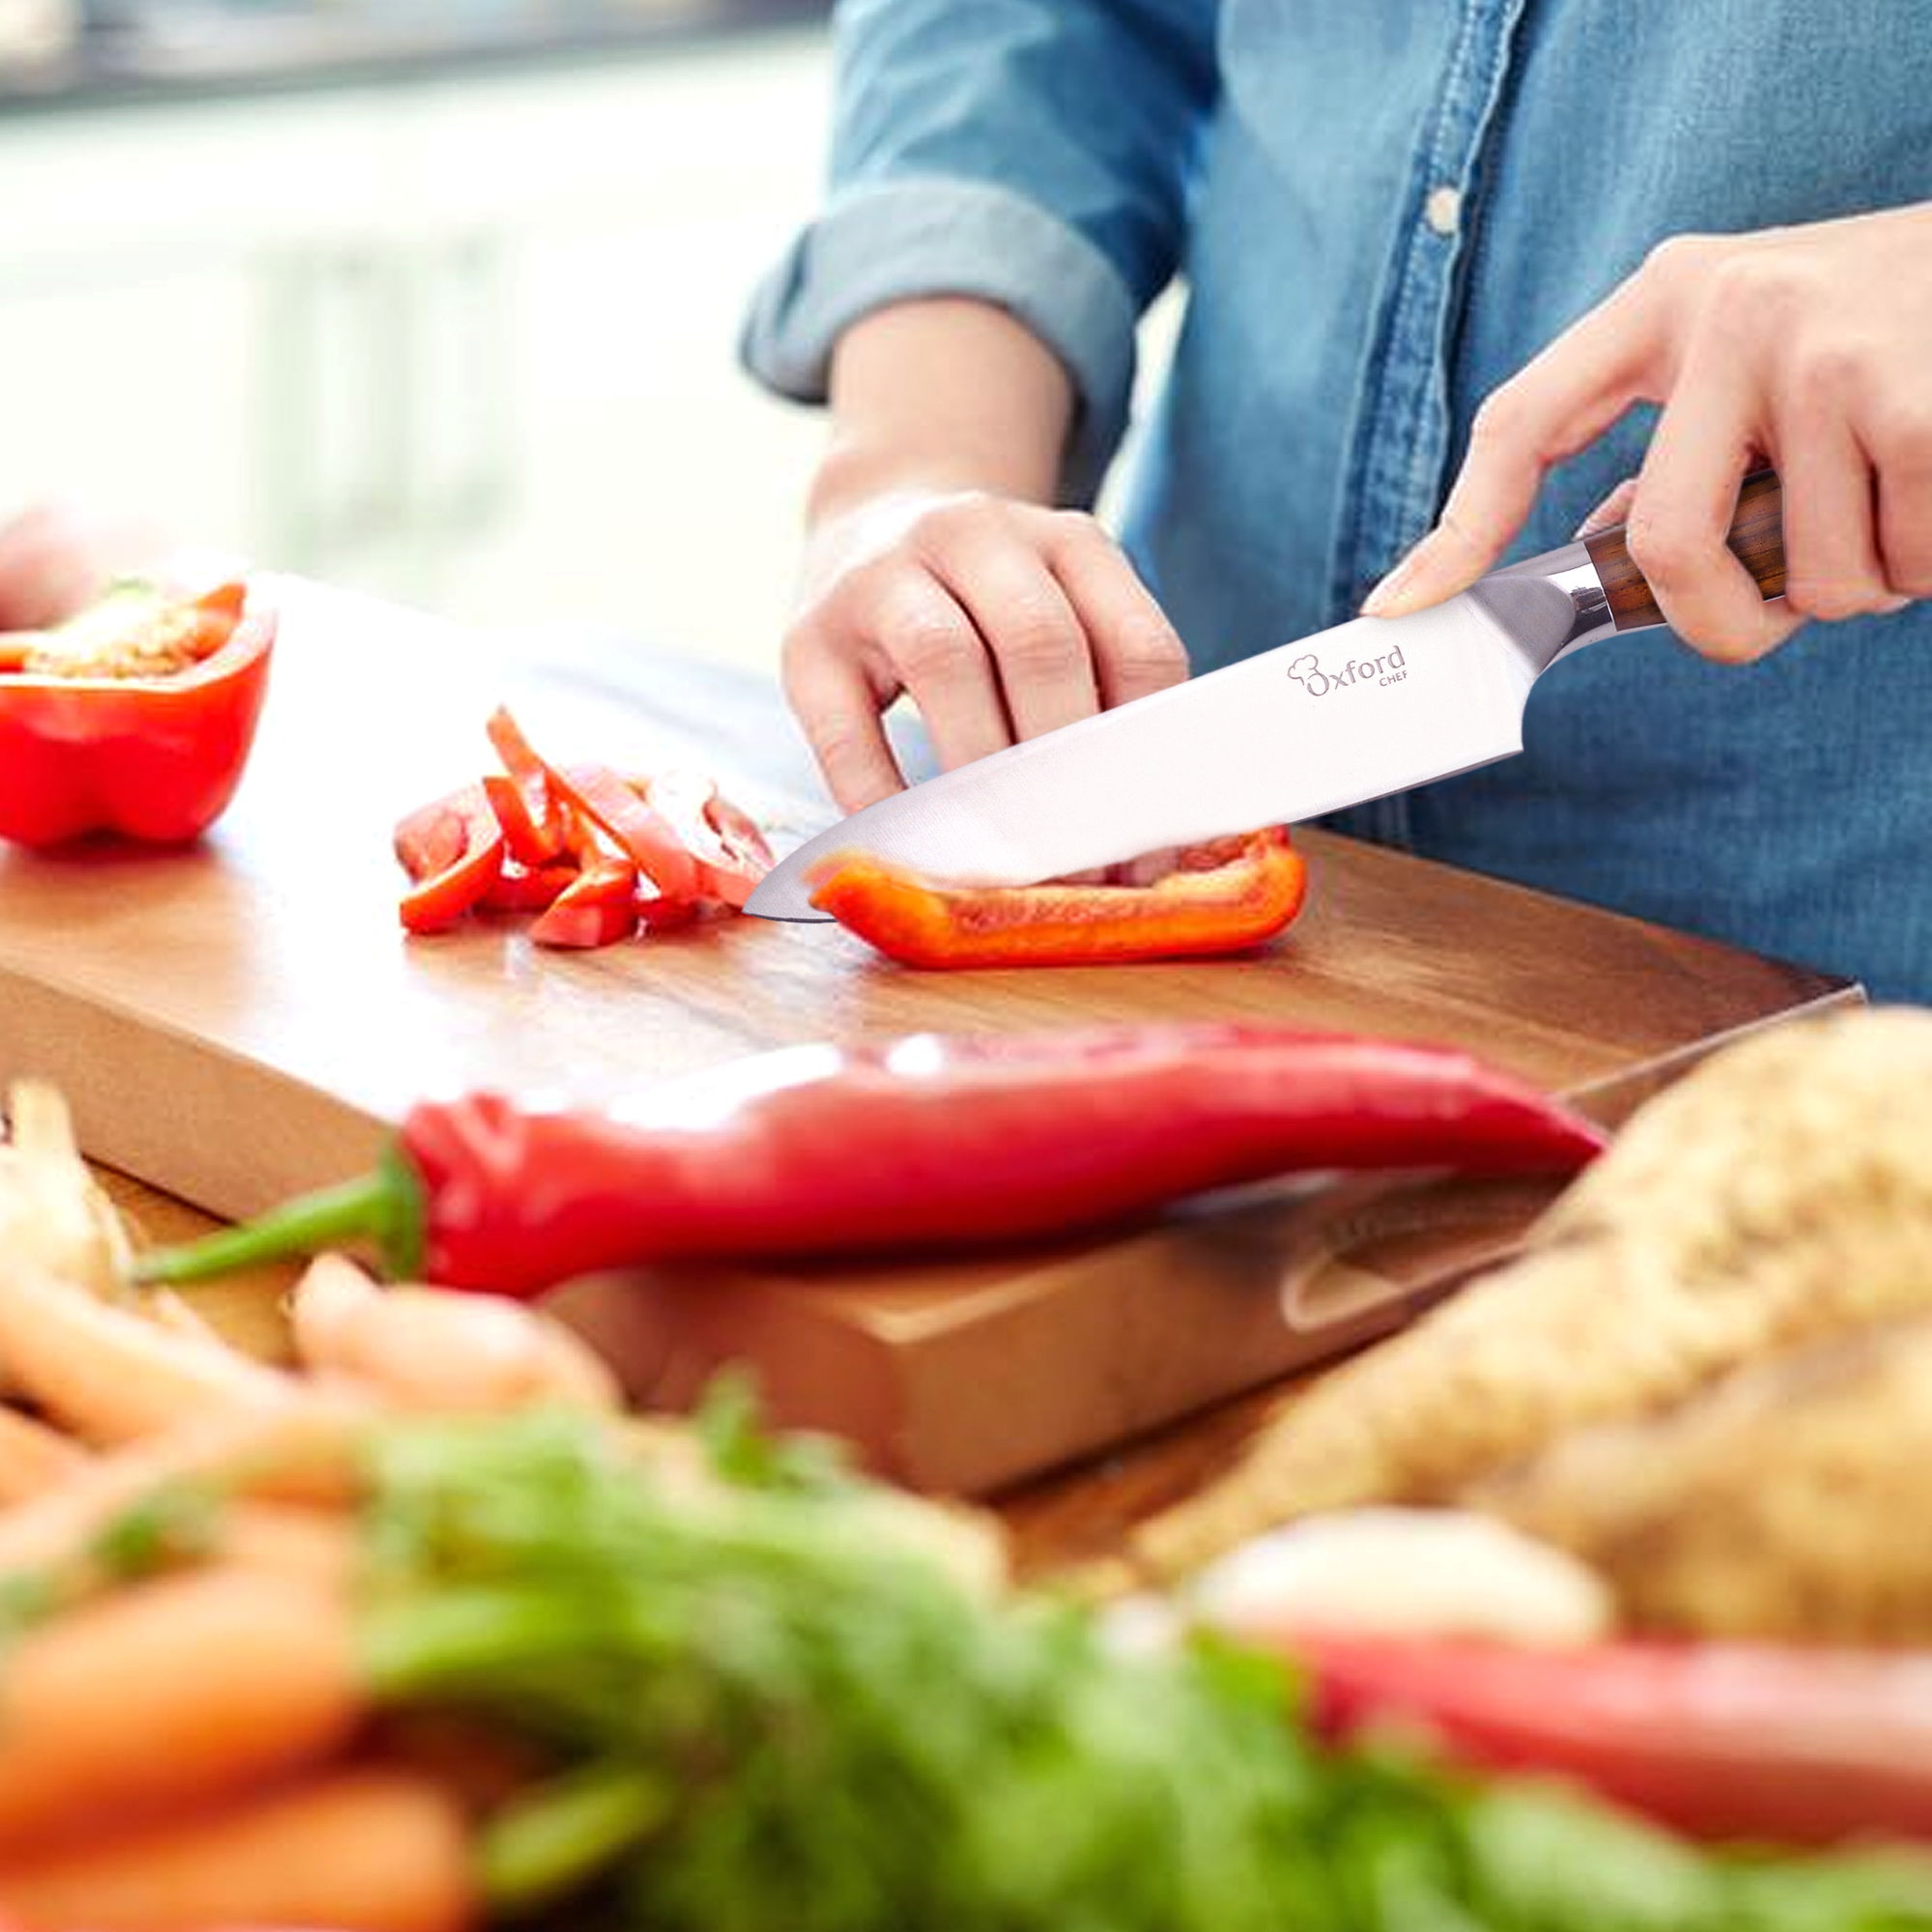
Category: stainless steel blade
[1365,709]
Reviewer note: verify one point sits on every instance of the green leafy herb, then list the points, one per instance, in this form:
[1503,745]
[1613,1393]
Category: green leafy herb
[772,1714]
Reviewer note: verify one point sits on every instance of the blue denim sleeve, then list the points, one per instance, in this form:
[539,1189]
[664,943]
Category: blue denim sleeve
[1035,153]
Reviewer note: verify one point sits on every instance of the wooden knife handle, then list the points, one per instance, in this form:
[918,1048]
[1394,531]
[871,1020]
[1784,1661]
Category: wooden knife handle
[1756,540]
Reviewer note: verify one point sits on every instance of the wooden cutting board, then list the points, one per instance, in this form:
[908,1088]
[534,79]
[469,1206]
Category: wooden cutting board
[240,1021]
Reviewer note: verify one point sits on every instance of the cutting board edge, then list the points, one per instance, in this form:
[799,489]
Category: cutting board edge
[98,1056]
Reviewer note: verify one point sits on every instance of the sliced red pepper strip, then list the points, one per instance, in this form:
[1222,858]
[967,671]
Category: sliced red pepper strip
[1235,895]
[529,887]
[647,841]
[729,850]
[599,908]
[542,808]
[934,1141]
[156,757]
[528,843]
[1724,1739]
[461,825]
[431,838]
[662,915]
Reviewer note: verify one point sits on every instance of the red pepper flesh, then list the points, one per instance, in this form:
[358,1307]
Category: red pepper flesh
[599,794]
[528,888]
[599,907]
[152,759]
[453,849]
[1722,1739]
[529,843]
[731,852]
[1232,896]
[543,810]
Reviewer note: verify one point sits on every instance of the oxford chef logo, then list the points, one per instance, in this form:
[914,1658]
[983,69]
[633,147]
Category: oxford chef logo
[1306,670]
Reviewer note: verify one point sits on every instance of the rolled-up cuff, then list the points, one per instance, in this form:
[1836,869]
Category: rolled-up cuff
[936,235]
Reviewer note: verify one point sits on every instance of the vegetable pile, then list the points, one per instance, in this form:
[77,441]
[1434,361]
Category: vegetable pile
[1674,1337]
[594,854]
[134,718]
[525,1671]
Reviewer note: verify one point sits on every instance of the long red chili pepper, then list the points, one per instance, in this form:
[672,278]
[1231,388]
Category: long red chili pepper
[923,1140]
[1723,1739]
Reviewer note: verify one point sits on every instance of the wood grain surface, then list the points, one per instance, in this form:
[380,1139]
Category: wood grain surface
[240,1021]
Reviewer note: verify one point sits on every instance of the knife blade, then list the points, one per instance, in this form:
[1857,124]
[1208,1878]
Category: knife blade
[1371,707]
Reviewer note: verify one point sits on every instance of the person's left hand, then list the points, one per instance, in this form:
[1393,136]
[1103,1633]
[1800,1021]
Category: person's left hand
[1806,346]
[55,560]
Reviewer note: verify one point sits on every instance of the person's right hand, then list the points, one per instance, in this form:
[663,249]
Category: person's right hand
[1000,619]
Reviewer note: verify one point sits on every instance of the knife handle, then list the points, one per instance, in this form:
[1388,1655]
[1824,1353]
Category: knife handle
[1756,540]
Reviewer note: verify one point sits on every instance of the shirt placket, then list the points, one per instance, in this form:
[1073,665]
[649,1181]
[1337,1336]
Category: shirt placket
[1401,437]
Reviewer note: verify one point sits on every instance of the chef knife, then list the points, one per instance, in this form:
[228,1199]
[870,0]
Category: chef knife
[1371,707]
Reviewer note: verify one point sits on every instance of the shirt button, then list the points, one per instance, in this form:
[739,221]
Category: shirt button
[1443,209]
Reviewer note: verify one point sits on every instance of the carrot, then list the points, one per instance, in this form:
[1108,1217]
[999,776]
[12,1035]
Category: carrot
[112,1375]
[439,1348]
[356,1851]
[313,1546]
[176,1691]
[305,1452]
[33,1458]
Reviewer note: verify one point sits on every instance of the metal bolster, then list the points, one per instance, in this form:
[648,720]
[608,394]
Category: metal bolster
[1549,606]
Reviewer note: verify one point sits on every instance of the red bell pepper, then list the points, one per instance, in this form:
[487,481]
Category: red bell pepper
[453,851]
[731,852]
[530,844]
[1225,898]
[599,907]
[1722,1739]
[528,888]
[650,844]
[824,1150]
[542,810]
[137,719]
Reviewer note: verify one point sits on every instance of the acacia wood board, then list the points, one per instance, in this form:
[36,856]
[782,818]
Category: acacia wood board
[242,1020]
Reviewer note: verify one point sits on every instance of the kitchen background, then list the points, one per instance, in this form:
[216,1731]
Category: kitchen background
[438,301]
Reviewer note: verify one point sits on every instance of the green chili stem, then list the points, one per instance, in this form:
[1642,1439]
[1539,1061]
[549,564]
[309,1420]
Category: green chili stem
[385,1207]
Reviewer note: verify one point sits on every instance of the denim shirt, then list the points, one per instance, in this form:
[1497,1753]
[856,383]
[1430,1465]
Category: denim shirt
[1380,210]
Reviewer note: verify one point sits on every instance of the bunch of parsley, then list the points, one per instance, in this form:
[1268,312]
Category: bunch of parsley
[764,1715]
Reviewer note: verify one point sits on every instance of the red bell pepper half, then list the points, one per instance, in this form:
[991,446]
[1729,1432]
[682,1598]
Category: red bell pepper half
[1722,1740]
[137,719]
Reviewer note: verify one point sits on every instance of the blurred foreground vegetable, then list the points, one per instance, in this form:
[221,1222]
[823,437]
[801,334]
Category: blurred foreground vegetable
[959,1141]
[745,1703]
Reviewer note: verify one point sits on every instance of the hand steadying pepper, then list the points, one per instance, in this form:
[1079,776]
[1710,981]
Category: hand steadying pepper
[925,1140]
